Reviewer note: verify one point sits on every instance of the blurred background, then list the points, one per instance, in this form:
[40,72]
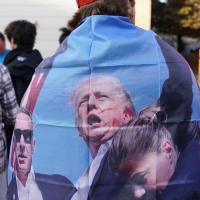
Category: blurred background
[176,21]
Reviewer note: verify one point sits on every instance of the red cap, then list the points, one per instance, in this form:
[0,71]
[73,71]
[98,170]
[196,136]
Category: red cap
[84,2]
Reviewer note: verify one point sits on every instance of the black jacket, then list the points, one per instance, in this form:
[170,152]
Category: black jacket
[185,182]
[21,63]
[107,186]
[52,187]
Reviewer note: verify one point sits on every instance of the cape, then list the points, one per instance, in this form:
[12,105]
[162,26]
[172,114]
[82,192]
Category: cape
[150,70]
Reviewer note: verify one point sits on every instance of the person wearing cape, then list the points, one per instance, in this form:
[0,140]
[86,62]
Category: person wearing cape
[145,65]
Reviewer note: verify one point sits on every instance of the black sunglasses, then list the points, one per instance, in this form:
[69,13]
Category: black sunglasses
[27,133]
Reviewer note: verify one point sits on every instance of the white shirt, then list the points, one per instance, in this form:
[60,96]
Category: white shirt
[85,181]
[31,190]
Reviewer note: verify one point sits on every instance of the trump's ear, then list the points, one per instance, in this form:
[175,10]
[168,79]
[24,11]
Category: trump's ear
[127,115]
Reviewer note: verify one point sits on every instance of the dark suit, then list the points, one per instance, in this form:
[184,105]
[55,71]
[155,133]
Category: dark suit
[107,186]
[52,187]
[185,183]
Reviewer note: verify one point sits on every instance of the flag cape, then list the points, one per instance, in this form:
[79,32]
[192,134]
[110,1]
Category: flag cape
[150,70]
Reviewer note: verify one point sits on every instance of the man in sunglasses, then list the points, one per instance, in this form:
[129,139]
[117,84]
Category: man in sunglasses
[26,183]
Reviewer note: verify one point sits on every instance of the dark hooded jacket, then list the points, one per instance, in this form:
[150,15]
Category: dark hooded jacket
[21,63]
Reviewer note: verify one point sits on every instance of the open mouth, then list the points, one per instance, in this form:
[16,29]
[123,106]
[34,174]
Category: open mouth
[21,156]
[21,162]
[93,119]
[21,159]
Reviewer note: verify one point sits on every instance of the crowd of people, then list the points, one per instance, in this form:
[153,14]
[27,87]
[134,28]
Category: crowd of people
[135,155]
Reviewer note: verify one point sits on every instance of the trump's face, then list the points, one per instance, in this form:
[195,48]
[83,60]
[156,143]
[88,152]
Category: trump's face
[24,144]
[100,110]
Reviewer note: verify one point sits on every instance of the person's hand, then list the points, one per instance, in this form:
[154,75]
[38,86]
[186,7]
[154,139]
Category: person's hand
[149,113]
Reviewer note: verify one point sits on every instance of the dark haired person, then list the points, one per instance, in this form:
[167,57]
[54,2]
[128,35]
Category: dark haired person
[27,184]
[94,47]
[113,43]
[22,59]
[95,25]
[145,154]
[88,8]
[3,50]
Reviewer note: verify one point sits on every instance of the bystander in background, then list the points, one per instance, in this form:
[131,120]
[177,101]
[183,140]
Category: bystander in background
[22,59]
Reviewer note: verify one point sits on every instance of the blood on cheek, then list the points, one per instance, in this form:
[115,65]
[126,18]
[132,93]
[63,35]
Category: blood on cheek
[115,122]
